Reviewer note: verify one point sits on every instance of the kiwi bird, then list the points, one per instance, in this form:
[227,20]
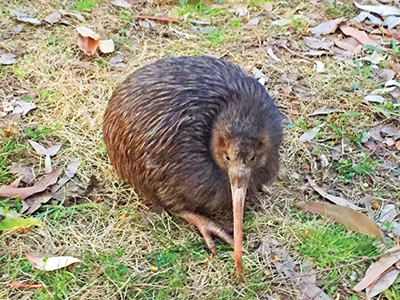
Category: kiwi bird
[195,135]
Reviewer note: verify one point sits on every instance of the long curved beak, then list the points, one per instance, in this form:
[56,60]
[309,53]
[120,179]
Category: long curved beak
[239,180]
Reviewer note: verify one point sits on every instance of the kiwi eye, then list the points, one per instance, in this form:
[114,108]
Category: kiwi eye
[253,158]
[227,157]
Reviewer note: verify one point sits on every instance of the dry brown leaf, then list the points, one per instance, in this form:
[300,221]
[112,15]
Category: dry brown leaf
[398,145]
[379,267]
[24,171]
[121,3]
[88,40]
[53,18]
[40,186]
[267,6]
[334,199]
[346,46]
[106,46]
[15,182]
[25,286]
[51,263]
[350,218]
[326,27]
[315,43]
[162,19]
[359,35]
[384,282]
[32,203]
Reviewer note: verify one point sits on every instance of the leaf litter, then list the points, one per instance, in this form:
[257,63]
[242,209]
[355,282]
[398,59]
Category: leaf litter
[22,193]
[377,270]
[353,220]
[50,263]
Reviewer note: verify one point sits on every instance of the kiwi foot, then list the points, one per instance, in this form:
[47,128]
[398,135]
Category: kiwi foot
[206,228]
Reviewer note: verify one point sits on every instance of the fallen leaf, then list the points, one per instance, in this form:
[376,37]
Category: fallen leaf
[25,286]
[253,22]
[271,53]
[23,107]
[33,203]
[50,263]
[73,167]
[74,14]
[375,98]
[374,58]
[383,283]
[392,83]
[106,46]
[315,43]
[384,74]
[324,111]
[359,35]
[162,19]
[319,66]
[40,186]
[383,10]
[364,15]
[286,265]
[8,59]
[51,151]
[388,214]
[392,131]
[88,40]
[53,17]
[353,220]
[326,27]
[267,6]
[260,76]
[47,164]
[24,171]
[121,3]
[345,44]
[309,135]
[334,199]
[391,21]
[12,224]
[13,31]
[117,60]
[241,11]
[377,268]
[282,22]
[23,17]
[146,23]
[38,148]
[316,53]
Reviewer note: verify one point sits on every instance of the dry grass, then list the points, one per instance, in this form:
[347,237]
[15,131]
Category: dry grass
[72,90]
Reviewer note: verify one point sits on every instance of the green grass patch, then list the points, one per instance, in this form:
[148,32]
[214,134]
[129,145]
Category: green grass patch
[199,9]
[216,36]
[10,151]
[347,168]
[257,3]
[332,246]
[125,17]
[340,10]
[82,5]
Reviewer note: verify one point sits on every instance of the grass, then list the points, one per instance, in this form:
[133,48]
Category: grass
[84,5]
[199,9]
[131,252]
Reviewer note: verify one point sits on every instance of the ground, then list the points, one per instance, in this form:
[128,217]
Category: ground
[129,251]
